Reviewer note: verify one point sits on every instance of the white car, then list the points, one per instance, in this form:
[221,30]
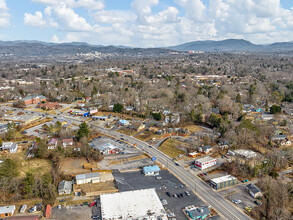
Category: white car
[236,201]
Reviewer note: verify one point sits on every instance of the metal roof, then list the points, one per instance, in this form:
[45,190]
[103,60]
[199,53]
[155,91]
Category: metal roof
[253,188]
[223,179]
[7,209]
[87,176]
[205,159]
[149,169]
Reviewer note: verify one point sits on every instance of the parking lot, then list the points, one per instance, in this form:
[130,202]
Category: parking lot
[73,212]
[168,183]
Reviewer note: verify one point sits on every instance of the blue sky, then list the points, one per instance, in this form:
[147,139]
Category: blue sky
[146,23]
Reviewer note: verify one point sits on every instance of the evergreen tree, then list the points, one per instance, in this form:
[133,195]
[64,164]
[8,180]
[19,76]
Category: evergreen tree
[83,130]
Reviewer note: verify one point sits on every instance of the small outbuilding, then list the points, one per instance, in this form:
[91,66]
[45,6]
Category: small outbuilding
[64,187]
[6,211]
[151,170]
[253,190]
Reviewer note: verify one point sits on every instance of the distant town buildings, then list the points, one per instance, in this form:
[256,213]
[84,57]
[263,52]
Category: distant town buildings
[12,147]
[34,99]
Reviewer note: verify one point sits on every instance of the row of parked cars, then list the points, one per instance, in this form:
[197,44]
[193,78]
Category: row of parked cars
[178,195]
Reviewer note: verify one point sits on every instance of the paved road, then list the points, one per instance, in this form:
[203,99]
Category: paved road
[223,207]
[219,203]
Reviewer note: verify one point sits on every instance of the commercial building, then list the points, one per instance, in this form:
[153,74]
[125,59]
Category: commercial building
[267,117]
[105,146]
[205,162]
[49,105]
[12,147]
[34,99]
[64,187]
[6,211]
[151,170]
[253,190]
[123,122]
[195,212]
[223,182]
[87,178]
[137,204]
[245,153]
[23,118]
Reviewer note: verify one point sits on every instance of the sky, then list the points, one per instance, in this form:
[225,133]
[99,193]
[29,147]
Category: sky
[146,23]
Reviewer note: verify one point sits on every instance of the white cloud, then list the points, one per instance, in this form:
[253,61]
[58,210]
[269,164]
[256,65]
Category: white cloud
[87,4]
[55,39]
[34,20]
[153,23]
[4,15]
[68,20]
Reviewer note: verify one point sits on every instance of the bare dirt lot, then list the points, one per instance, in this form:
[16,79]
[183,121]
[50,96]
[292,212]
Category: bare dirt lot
[73,166]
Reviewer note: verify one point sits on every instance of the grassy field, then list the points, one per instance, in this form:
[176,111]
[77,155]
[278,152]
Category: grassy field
[169,147]
[52,112]
[38,167]
[148,136]
[193,128]
[128,132]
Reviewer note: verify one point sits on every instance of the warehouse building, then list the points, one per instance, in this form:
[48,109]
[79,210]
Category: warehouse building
[87,178]
[205,162]
[6,211]
[223,182]
[137,204]
[151,170]
[64,187]
[253,190]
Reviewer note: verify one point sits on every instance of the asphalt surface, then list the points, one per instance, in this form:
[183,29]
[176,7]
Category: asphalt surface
[220,204]
[211,197]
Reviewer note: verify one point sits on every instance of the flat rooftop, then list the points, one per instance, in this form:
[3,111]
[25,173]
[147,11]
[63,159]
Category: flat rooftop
[204,159]
[223,179]
[144,204]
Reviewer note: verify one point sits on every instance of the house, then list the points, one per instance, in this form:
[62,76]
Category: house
[205,149]
[215,111]
[194,154]
[279,137]
[64,187]
[34,99]
[205,162]
[166,112]
[87,178]
[12,147]
[49,106]
[174,119]
[223,182]
[253,190]
[151,170]
[223,144]
[123,122]
[286,142]
[6,211]
[52,144]
[67,142]
[195,212]
[93,110]
[129,108]
[267,117]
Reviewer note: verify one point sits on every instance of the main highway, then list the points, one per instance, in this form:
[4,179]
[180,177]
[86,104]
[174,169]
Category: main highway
[226,209]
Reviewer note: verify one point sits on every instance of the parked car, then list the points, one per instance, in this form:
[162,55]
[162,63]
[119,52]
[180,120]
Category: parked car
[158,177]
[85,203]
[201,174]
[236,201]
[181,194]
[95,216]
[62,200]
[92,204]
[187,193]
[177,164]
[175,195]
[181,186]
[257,202]
[59,206]
[205,174]
[168,194]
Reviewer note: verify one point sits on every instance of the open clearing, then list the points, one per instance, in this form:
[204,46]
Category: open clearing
[73,166]
[193,128]
[169,147]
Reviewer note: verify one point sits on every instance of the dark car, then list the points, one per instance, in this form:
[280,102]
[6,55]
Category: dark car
[95,216]
[168,194]
[177,164]
[205,174]
[62,200]
[201,174]
[257,202]
[122,138]
[181,194]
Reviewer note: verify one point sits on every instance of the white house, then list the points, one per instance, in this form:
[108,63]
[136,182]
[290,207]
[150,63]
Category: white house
[253,190]
[67,142]
[12,147]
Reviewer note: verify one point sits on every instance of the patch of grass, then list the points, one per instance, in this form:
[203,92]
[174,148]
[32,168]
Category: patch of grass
[193,128]
[169,147]
[128,132]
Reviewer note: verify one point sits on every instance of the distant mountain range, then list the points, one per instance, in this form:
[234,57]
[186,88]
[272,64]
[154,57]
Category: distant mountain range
[43,49]
[233,45]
